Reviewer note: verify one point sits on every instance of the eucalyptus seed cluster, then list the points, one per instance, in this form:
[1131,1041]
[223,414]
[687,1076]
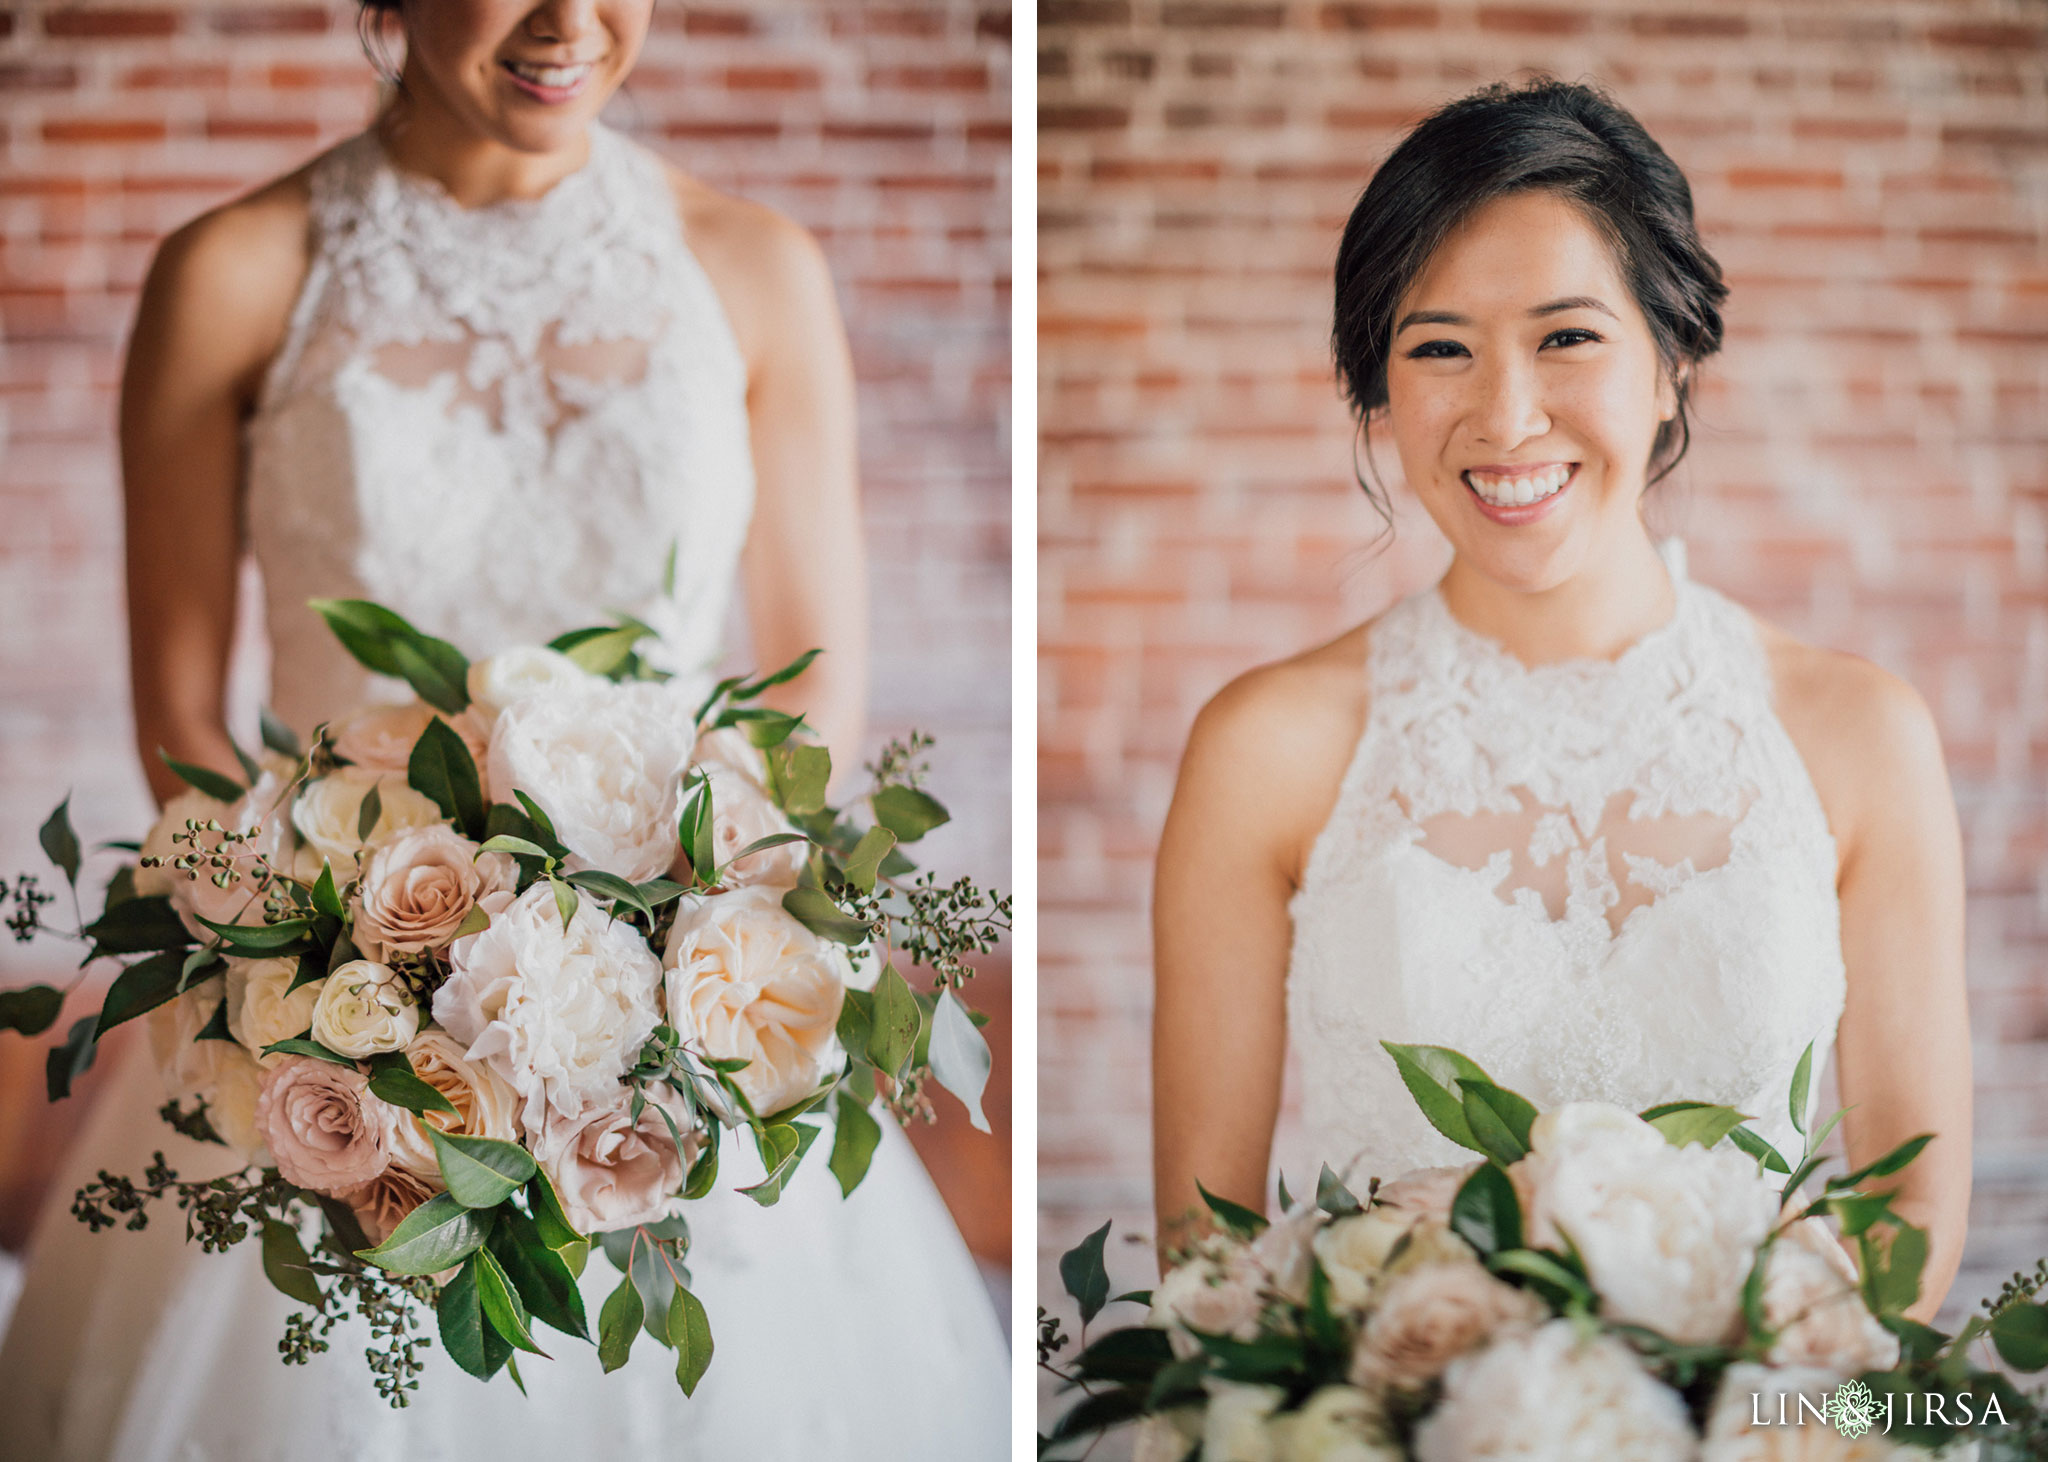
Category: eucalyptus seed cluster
[421,974]
[215,863]
[28,899]
[2019,1289]
[219,1213]
[945,923]
[902,762]
[194,1124]
[305,1336]
[388,1303]
[1052,1339]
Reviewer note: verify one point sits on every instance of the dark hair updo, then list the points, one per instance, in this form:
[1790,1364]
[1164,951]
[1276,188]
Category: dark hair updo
[1559,137]
[371,17]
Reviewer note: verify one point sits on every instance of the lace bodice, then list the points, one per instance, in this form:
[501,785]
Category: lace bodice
[1600,880]
[497,420]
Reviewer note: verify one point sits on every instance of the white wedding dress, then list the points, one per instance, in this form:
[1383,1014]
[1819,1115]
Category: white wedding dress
[1601,880]
[497,421]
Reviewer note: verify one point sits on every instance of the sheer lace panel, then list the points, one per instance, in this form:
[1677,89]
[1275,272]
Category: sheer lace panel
[557,385]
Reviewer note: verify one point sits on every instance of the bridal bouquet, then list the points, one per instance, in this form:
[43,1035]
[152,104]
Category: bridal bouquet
[474,984]
[1600,1284]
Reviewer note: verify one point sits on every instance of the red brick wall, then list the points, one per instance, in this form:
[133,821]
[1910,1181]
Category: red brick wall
[1868,468]
[884,128]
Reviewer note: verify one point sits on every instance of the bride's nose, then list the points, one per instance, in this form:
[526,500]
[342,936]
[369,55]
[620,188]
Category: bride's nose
[562,20]
[1508,408]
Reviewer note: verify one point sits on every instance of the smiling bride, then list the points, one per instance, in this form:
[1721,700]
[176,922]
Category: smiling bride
[1566,811]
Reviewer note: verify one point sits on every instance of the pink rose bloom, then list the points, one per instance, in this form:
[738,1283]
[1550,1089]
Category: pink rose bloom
[382,1204]
[612,1172]
[420,884]
[325,1129]
[381,738]
[1431,1315]
[1427,1191]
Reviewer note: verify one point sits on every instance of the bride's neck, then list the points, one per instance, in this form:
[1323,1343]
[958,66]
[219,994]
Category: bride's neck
[1594,615]
[422,136]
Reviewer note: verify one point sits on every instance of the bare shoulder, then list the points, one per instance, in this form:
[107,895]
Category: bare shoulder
[1279,737]
[1867,737]
[766,267]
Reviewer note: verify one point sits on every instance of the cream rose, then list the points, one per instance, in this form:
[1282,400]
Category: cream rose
[364,1009]
[263,1009]
[742,814]
[747,980]
[326,1130]
[606,763]
[381,738]
[513,675]
[382,1204]
[1813,1302]
[1668,1233]
[328,812]
[231,1105]
[1236,1426]
[1354,1251]
[420,884]
[484,1105]
[1429,1316]
[219,1073]
[1336,1424]
[558,1014]
[1548,1396]
[612,1172]
[1218,1290]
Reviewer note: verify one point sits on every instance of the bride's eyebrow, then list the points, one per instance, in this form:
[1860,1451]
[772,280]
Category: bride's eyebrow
[1448,317]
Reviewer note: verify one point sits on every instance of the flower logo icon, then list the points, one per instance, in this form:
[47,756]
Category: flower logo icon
[1850,1409]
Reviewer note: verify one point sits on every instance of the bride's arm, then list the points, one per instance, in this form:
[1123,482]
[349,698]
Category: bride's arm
[1257,783]
[805,564]
[1904,1042]
[212,314]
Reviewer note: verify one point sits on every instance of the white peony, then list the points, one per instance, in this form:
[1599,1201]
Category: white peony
[1235,1427]
[513,675]
[559,1014]
[1813,1302]
[263,1009]
[1668,1233]
[1336,1424]
[329,811]
[1749,1391]
[1547,1395]
[364,1008]
[742,813]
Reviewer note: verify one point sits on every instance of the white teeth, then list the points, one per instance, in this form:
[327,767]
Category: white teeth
[550,75]
[1515,492]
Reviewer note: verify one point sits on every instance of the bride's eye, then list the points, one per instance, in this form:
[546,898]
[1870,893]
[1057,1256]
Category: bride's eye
[1583,337]
[1436,350]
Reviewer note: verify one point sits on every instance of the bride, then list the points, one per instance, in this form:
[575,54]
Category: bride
[503,370]
[1566,811]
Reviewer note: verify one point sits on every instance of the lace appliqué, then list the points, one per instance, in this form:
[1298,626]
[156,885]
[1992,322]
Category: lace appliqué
[1601,880]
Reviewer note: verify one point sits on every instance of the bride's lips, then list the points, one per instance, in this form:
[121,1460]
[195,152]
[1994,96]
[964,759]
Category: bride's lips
[547,82]
[1521,513]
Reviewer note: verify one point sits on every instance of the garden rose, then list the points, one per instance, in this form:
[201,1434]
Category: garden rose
[559,1014]
[1167,1436]
[1548,1396]
[382,1204]
[1426,1191]
[1218,1290]
[1427,1317]
[745,979]
[263,1009]
[326,1130]
[742,813]
[1354,1250]
[328,811]
[420,884]
[1235,1427]
[380,738]
[1668,1233]
[217,1072]
[511,676]
[484,1105]
[1813,1302]
[612,1172]
[231,1105]
[1336,1424]
[606,763]
[363,1009]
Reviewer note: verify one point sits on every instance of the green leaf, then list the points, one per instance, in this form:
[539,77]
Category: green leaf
[605,651]
[368,811]
[865,860]
[305,1046]
[765,728]
[437,1235]
[284,1265]
[1755,1146]
[896,1022]
[60,842]
[326,897]
[2020,1333]
[1085,1275]
[1699,1122]
[1431,1074]
[548,1214]
[66,1063]
[1802,1076]
[384,642]
[506,843]
[783,676]
[659,891]
[121,887]
[30,1009]
[1549,1275]
[854,1138]
[442,770]
[814,909]
[856,1019]
[460,1311]
[782,1148]
[798,776]
[141,988]
[538,1273]
[249,767]
[565,900]
[502,1305]
[618,1324]
[1333,1197]
[1131,1356]
[259,939]
[278,736]
[689,1331]
[907,812]
[540,819]
[1486,1214]
[960,1057]
[481,1172]
[704,1171]
[399,1086]
[213,784]
[137,926]
[668,569]
[1885,1166]
[1234,1217]
[1499,1119]
[697,831]
[611,886]
[216,1027]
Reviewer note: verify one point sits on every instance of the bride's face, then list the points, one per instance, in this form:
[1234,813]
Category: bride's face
[528,75]
[1525,391]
